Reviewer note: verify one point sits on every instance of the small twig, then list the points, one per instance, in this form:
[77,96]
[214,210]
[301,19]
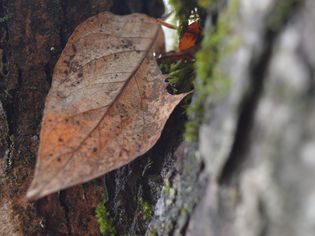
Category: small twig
[168,25]
[188,53]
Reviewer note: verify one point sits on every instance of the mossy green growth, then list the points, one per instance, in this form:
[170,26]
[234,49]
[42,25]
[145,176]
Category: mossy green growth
[180,74]
[212,83]
[180,70]
[152,232]
[167,187]
[104,220]
[145,209]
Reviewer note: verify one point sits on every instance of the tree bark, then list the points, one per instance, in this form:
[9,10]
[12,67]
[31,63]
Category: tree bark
[251,171]
[258,141]
[33,34]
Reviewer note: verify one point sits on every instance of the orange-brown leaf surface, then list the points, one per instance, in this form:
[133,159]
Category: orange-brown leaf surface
[190,36]
[107,104]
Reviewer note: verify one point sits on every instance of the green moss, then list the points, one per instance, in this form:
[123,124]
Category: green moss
[212,84]
[167,187]
[145,209]
[152,232]
[180,74]
[104,220]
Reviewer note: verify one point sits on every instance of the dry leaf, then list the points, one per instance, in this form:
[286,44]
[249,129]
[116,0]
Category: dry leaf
[107,104]
[190,36]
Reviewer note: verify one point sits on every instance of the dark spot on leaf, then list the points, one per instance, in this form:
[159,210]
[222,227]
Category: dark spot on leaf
[58,159]
[74,66]
[94,149]
[74,48]
[60,94]
[60,139]
[126,43]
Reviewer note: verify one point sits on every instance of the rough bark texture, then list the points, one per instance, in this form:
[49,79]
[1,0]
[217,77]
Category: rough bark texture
[251,171]
[260,162]
[33,34]
[257,143]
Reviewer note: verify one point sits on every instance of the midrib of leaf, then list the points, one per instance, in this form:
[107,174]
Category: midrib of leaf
[109,107]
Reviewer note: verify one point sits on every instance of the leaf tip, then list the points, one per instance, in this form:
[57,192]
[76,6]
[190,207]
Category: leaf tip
[35,192]
[32,194]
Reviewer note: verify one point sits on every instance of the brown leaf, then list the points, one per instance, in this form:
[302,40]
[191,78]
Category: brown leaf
[107,104]
[190,36]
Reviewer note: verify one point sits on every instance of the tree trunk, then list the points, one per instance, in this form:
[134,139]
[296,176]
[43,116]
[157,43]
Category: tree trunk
[32,35]
[258,141]
[251,171]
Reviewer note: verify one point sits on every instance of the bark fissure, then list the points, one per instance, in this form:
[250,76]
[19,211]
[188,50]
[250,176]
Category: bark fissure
[48,73]
[12,107]
[257,73]
[64,205]
[310,70]
[63,23]
[264,218]
[5,141]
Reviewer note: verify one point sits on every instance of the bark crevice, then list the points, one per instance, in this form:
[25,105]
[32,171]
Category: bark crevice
[257,73]
[63,23]
[65,207]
